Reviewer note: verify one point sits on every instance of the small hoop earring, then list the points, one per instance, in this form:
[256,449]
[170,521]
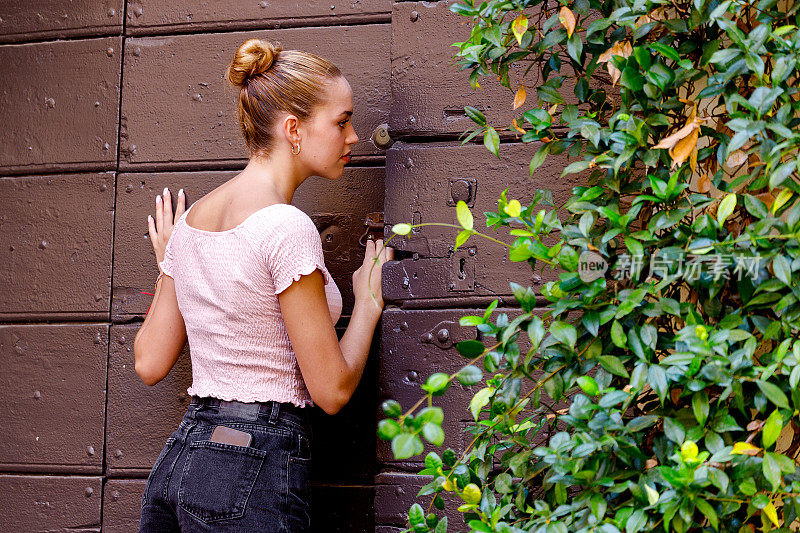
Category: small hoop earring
[298,149]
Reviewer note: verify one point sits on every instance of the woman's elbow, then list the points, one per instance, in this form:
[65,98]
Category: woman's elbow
[143,370]
[333,403]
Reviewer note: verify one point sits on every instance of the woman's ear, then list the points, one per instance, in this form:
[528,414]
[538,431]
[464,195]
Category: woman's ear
[290,128]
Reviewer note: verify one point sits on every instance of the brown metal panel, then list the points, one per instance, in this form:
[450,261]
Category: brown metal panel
[50,503]
[345,456]
[122,505]
[53,382]
[342,509]
[62,117]
[429,91]
[140,418]
[22,21]
[337,207]
[414,345]
[426,182]
[395,492]
[187,14]
[177,108]
[55,244]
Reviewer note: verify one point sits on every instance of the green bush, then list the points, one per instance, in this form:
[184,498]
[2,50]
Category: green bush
[679,365]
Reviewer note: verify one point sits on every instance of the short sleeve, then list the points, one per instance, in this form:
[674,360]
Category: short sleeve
[294,249]
[166,263]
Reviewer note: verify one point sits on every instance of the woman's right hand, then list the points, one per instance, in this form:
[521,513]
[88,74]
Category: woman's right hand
[367,278]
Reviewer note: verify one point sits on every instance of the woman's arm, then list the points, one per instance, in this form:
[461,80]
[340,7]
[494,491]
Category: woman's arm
[161,337]
[331,368]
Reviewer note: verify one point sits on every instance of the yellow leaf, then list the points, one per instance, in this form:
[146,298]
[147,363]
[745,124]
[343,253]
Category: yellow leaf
[772,514]
[784,196]
[623,49]
[519,26]
[520,97]
[724,211]
[744,448]
[652,494]
[402,229]
[683,143]
[516,126]
[567,19]
[463,215]
[514,208]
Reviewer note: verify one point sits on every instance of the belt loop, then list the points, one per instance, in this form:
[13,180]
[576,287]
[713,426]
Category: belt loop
[273,415]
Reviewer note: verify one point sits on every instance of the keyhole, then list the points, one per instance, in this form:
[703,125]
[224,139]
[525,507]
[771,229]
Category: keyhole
[461,274]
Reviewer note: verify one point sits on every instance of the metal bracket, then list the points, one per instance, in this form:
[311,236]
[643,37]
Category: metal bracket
[374,223]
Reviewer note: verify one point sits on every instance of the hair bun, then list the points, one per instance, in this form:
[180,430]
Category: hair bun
[252,58]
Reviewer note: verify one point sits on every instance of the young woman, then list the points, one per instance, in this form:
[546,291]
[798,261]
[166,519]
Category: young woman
[244,279]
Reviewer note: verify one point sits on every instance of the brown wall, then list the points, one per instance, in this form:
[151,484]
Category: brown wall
[106,102]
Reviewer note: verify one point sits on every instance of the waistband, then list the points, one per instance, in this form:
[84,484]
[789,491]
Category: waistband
[271,410]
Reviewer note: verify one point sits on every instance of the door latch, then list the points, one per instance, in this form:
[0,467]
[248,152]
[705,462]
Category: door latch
[374,224]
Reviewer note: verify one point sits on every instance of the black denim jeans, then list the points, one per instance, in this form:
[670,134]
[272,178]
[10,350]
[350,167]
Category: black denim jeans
[199,485]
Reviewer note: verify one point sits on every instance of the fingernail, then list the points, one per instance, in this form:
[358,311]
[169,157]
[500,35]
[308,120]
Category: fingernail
[158,199]
[166,191]
[149,217]
[180,192]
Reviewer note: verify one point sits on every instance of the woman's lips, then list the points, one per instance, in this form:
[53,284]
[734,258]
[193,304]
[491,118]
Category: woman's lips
[346,158]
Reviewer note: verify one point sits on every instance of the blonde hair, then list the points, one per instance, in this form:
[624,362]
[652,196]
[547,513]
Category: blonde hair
[271,80]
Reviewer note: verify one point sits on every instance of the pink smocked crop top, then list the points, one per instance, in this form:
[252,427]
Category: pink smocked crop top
[227,284]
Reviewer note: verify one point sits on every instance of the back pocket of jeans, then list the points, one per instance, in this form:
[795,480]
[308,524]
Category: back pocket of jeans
[164,451]
[217,479]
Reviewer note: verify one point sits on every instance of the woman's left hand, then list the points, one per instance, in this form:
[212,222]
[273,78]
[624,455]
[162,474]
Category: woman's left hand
[161,228]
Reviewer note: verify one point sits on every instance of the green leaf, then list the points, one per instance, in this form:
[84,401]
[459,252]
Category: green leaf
[614,365]
[771,471]
[431,414]
[475,115]
[636,521]
[564,333]
[589,385]
[480,399]
[402,229]
[618,336]
[491,140]
[658,380]
[437,383]
[782,269]
[726,208]
[632,79]
[539,157]
[772,429]
[403,446]
[774,393]
[391,409]
[470,348]
[464,215]
[550,95]
[416,515]
[469,375]
[708,511]
[666,51]
[388,429]
[700,406]
[433,433]
[462,237]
